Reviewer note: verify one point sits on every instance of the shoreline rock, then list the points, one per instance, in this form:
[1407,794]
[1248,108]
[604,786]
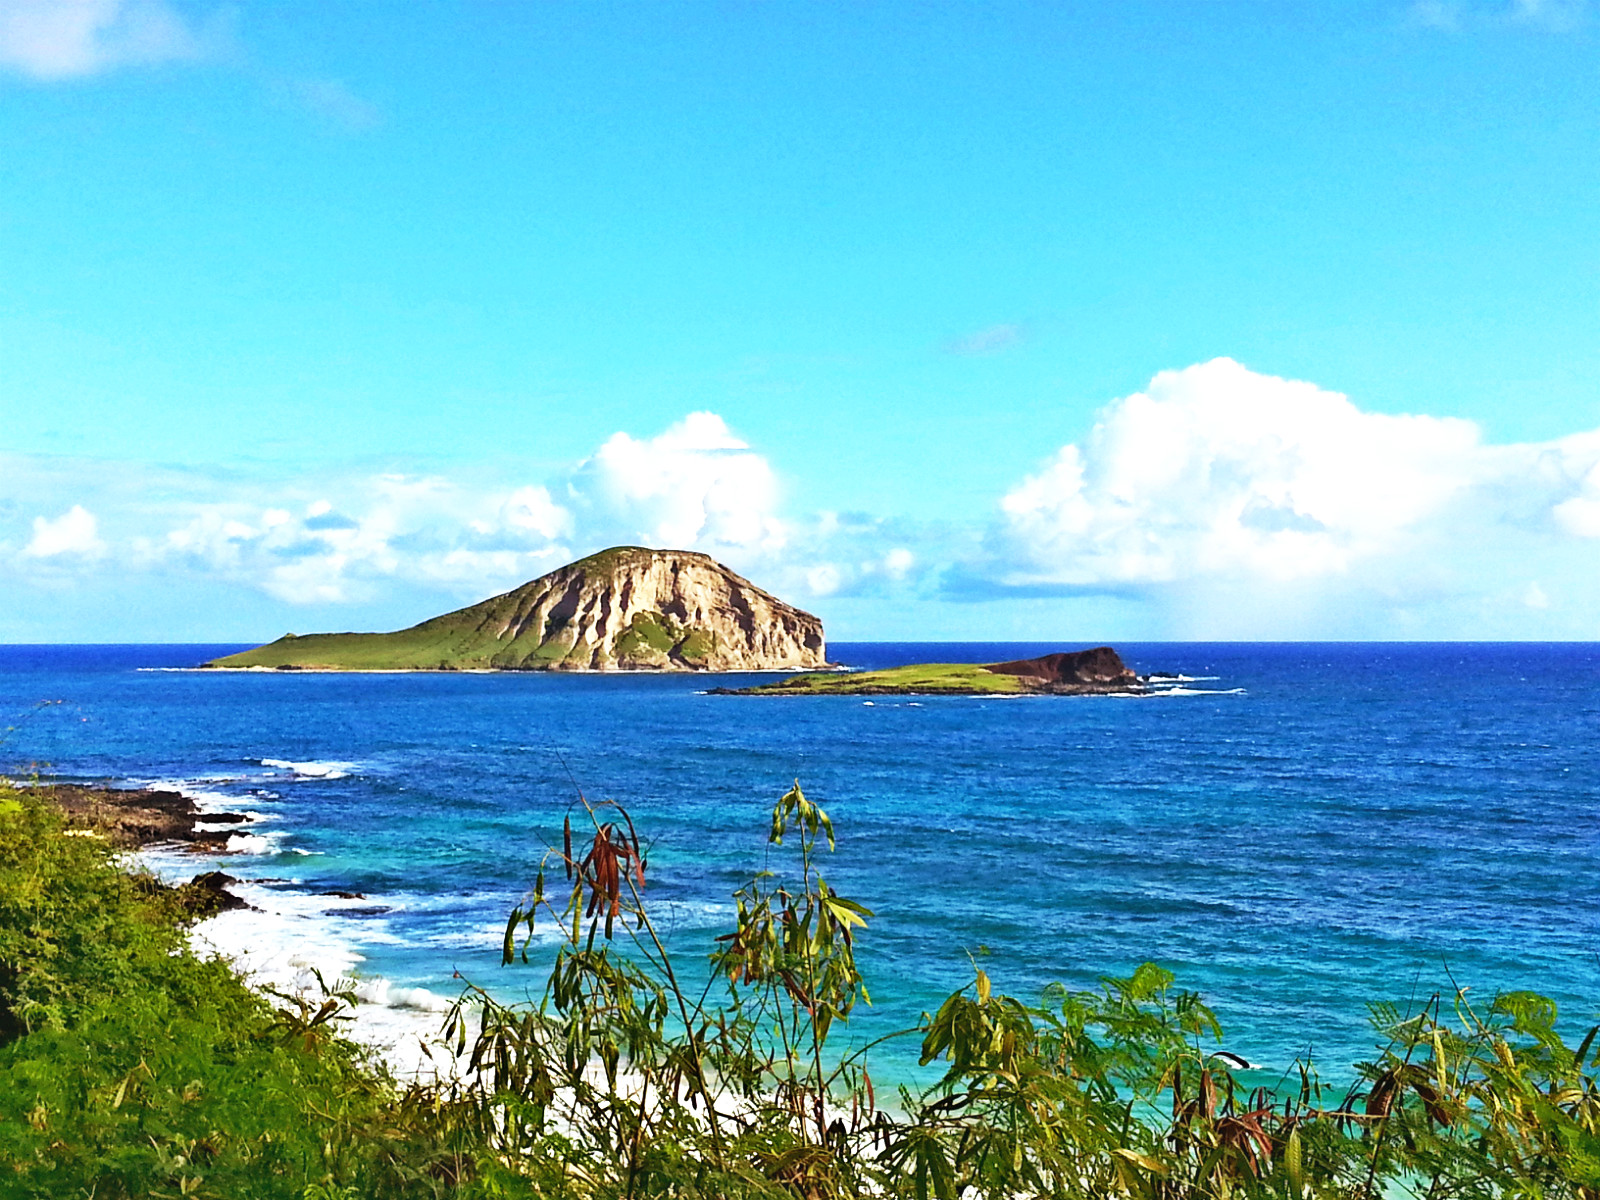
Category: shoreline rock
[1093,670]
[134,818]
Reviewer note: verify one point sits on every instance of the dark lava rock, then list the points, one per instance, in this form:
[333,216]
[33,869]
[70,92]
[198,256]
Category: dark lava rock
[1101,667]
[345,895]
[129,817]
[207,894]
[135,817]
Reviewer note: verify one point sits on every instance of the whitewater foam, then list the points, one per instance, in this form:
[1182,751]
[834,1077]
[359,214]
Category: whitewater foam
[296,943]
[290,942]
[311,769]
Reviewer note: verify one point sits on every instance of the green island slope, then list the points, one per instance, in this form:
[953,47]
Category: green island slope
[627,608]
[1084,672]
[919,679]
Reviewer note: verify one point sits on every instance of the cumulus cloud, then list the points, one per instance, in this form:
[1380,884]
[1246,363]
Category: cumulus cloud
[1218,469]
[859,556]
[418,529]
[855,576]
[1218,473]
[531,509]
[353,538]
[74,533]
[1217,501]
[695,484]
[65,39]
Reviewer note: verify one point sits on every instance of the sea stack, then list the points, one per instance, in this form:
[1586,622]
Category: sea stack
[624,609]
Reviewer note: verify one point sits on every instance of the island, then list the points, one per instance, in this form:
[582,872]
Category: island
[1099,671]
[624,609]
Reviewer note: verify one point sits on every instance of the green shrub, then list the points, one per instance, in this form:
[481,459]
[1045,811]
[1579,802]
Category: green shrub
[130,1068]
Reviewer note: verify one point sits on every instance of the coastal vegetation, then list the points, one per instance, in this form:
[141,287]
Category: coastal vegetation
[1083,672]
[128,1067]
[924,679]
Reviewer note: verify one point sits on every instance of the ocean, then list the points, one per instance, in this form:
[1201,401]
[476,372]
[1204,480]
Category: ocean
[1295,830]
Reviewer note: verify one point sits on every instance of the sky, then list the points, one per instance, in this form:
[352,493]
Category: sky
[1001,321]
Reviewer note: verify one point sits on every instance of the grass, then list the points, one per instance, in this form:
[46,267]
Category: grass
[697,645]
[962,679]
[128,1067]
[648,635]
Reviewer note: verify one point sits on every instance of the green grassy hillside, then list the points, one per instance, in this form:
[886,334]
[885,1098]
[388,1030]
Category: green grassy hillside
[427,647]
[131,1068]
[459,642]
[963,679]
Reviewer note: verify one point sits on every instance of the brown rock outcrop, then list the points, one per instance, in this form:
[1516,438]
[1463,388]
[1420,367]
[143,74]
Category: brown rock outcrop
[635,609]
[128,816]
[1100,667]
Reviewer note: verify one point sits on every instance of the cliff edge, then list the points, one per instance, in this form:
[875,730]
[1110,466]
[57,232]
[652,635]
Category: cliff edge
[624,609]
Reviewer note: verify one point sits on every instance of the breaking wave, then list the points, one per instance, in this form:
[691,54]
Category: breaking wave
[311,769]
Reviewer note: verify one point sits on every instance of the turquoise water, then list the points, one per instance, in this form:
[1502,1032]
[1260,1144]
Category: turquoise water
[1358,822]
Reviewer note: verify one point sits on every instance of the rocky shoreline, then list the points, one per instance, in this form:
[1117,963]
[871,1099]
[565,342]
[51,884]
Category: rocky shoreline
[134,818]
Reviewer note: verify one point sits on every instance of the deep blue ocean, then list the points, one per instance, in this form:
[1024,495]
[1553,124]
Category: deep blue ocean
[1301,829]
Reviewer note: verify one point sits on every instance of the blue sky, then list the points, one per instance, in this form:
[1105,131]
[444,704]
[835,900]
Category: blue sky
[1057,321]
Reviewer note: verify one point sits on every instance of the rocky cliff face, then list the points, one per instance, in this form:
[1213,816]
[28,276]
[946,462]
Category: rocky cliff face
[1101,667]
[632,609]
[622,609]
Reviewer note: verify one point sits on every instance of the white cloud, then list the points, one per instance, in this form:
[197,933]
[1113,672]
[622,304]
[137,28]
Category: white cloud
[74,532]
[355,538]
[1216,502]
[1579,514]
[823,580]
[1454,16]
[694,486]
[532,509]
[1218,469]
[1558,16]
[334,103]
[64,39]
[1217,475]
